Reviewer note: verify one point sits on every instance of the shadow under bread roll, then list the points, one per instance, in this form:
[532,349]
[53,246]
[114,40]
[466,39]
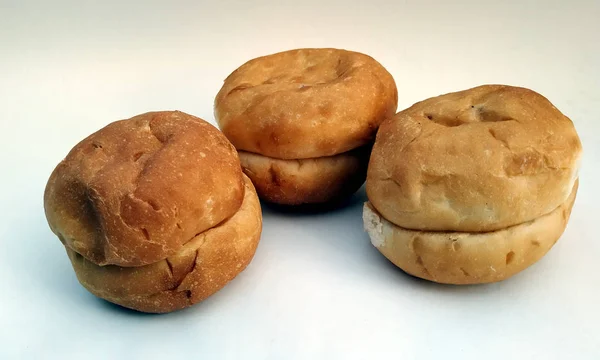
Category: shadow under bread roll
[154,211]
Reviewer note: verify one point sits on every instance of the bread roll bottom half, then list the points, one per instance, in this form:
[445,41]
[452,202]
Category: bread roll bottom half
[203,266]
[307,181]
[468,257]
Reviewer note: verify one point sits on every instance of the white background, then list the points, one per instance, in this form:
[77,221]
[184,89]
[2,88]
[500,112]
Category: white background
[316,289]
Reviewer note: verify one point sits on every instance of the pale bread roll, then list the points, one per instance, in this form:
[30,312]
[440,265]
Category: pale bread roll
[473,186]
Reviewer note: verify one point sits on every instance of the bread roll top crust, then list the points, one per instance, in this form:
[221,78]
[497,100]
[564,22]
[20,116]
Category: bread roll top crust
[305,103]
[136,191]
[476,160]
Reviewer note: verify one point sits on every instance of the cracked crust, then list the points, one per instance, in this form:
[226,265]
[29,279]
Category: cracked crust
[305,103]
[476,160]
[136,191]
[199,269]
[307,181]
[468,258]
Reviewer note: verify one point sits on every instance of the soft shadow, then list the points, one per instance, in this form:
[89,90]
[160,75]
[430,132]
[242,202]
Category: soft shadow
[119,310]
[40,259]
[358,197]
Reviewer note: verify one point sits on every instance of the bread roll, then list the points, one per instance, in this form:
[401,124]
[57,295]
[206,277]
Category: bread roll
[495,166]
[305,104]
[138,201]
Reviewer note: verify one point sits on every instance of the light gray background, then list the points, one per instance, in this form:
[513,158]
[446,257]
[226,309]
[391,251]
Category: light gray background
[316,289]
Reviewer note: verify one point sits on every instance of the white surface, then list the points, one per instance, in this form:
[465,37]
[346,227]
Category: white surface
[316,289]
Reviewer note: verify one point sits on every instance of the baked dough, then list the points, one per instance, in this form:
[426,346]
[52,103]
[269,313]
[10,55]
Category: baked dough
[476,160]
[307,181]
[305,106]
[137,190]
[463,257]
[473,186]
[154,211]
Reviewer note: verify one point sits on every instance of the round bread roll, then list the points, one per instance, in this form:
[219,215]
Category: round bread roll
[307,181]
[316,105]
[476,160]
[494,167]
[200,268]
[136,191]
[154,211]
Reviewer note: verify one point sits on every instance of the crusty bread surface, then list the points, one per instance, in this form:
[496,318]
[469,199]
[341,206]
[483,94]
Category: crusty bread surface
[477,160]
[136,191]
[305,103]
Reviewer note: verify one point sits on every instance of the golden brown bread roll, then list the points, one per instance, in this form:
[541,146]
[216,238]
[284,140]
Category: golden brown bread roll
[474,162]
[138,194]
[305,104]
